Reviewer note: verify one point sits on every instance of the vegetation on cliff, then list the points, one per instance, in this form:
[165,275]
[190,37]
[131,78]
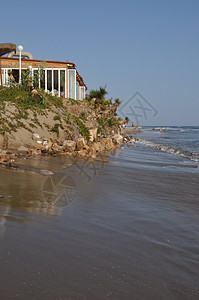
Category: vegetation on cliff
[25,111]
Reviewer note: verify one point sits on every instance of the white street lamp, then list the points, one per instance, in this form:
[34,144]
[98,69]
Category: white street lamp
[20,48]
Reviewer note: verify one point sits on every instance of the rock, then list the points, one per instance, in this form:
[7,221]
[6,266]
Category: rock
[82,152]
[22,149]
[46,172]
[57,148]
[47,145]
[108,143]
[34,92]
[35,136]
[88,124]
[35,152]
[93,134]
[80,144]
[97,147]
[118,139]
[60,141]
[29,151]
[91,151]
[69,145]
[93,148]
[3,159]
[102,146]
[3,152]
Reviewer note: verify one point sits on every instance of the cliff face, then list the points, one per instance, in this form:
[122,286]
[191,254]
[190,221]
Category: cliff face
[40,122]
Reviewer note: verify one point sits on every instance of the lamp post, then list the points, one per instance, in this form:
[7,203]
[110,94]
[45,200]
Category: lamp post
[20,48]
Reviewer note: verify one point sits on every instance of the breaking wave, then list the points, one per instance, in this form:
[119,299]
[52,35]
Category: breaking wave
[194,156]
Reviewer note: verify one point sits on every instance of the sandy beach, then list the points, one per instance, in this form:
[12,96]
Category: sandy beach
[116,229]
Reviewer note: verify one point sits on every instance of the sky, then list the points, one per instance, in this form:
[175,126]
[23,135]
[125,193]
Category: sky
[145,52]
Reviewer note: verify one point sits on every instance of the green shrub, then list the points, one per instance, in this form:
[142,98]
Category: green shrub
[55,129]
[57,118]
[127,119]
[83,114]
[118,101]
[83,129]
[112,122]
[98,94]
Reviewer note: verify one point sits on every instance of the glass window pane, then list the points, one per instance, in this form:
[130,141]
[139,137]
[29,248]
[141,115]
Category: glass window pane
[81,92]
[42,79]
[77,91]
[35,79]
[62,83]
[55,80]
[49,80]
[15,74]
[72,84]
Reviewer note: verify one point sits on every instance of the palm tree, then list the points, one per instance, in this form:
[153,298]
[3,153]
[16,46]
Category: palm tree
[98,94]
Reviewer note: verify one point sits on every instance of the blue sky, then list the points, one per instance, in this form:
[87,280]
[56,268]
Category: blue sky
[147,46]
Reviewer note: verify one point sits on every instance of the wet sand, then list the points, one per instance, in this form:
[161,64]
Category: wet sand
[127,229]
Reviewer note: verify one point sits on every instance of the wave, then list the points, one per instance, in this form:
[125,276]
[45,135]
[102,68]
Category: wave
[194,156]
[170,128]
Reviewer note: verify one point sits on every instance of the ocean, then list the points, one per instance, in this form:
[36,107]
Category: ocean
[123,227]
[182,140]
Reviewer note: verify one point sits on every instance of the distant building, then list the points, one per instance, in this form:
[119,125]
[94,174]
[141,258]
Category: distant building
[58,78]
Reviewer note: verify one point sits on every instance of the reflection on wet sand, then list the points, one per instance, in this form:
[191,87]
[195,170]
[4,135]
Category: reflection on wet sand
[130,233]
[32,193]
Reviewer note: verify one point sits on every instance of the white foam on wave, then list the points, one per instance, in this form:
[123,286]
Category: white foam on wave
[194,156]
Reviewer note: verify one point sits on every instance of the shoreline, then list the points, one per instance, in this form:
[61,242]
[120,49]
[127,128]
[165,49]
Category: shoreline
[9,158]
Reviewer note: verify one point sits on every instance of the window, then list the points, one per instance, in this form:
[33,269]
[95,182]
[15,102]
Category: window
[49,80]
[72,83]
[35,79]
[77,91]
[62,83]
[42,79]
[81,93]
[56,81]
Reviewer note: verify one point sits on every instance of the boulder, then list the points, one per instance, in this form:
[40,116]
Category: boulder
[93,134]
[47,145]
[39,141]
[118,139]
[81,143]
[97,147]
[35,136]
[57,148]
[69,145]
[3,152]
[22,149]
[108,143]
[102,146]
[92,151]
[34,92]
[82,152]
